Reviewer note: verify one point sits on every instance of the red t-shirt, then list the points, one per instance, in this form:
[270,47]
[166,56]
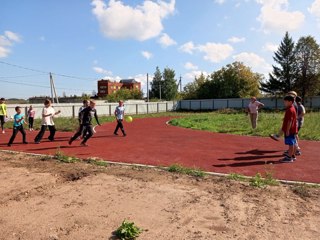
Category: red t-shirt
[290,115]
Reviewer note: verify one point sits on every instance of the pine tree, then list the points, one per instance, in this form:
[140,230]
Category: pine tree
[282,79]
[156,84]
[170,87]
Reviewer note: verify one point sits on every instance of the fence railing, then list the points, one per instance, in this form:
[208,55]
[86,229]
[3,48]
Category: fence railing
[107,109]
[215,104]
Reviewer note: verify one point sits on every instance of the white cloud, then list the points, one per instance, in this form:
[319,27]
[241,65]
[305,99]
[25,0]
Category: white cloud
[315,8]
[165,40]
[274,16]
[142,22]
[101,70]
[215,52]
[236,39]
[270,47]
[188,47]
[112,78]
[14,37]
[257,63]
[7,40]
[190,66]
[146,54]
[219,1]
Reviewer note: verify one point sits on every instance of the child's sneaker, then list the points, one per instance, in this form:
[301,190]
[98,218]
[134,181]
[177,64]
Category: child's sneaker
[275,137]
[298,153]
[286,160]
[3,132]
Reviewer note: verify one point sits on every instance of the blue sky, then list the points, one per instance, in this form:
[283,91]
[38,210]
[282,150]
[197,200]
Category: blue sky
[112,39]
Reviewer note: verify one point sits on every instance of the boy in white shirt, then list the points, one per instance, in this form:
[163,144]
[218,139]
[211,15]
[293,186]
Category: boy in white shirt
[252,109]
[48,113]
[119,113]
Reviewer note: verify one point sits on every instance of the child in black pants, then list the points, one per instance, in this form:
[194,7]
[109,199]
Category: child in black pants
[18,126]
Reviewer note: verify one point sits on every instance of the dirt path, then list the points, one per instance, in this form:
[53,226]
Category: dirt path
[151,141]
[45,199]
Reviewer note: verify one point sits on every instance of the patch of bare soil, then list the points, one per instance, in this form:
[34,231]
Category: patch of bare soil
[41,198]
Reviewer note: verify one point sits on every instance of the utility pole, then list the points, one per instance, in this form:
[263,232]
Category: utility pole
[160,90]
[180,83]
[147,87]
[53,90]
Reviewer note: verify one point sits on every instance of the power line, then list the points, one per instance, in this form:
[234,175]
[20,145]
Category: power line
[47,72]
[24,76]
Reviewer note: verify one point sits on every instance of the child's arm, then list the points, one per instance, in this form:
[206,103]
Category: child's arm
[96,117]
[288,127]
[56,113]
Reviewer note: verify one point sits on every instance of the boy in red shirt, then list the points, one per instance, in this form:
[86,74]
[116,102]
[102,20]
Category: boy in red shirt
[290,129]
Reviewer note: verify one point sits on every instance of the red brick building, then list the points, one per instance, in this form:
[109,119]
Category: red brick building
[106,87]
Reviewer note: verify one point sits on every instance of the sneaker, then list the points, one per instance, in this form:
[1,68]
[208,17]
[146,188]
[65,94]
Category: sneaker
[293,158]
[37,142]
[275,137]
[298,153]
[3,132]
[25,142]
[115,133]
[286,154]
[286,160]
[9,145]
[84,144]
[70,141]
[124,134]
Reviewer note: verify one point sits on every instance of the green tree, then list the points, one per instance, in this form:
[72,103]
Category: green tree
[124,94]
[156,84]
[170,87]
[283,77]
[233,81]
[191,90]
[307,53]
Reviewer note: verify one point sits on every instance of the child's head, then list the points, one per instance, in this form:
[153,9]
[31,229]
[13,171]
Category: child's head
[18,109]
[121,103]
[92,104]
[253,99]
[47,102]
[2,100]
[30,107]
[288,101]
[85,103]
[293,94]
[298,99]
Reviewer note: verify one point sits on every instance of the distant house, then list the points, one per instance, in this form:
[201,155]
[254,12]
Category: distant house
[106,87]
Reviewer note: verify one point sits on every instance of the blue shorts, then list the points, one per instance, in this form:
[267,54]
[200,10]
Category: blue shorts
[290,140]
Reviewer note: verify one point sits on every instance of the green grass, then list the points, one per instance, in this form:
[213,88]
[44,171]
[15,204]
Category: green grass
[239,123]
[176,168]
[128,231]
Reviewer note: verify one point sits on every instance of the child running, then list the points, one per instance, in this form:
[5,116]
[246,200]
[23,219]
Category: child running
[31,114]
[48,113]
[301,112]
[290,129]
[119,113]
[3,113]
[80,115]
[18,121]
[87,114]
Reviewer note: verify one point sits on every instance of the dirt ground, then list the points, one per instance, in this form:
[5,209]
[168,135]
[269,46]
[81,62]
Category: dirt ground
[41,198]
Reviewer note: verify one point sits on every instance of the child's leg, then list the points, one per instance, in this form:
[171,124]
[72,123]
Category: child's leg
[52,130]
[2,122]
[121,127]
[14,134]
[24,135]
[77,134]
[117,127]
[88,135]
[291,151]
[40,134]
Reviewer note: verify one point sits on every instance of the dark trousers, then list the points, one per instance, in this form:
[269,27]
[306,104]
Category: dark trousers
[15,132]
[30,120]
[119,125]
[52,130]
[87,129]
[2,117]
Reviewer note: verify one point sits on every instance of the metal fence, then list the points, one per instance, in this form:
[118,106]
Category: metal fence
[107,109]
[216,104]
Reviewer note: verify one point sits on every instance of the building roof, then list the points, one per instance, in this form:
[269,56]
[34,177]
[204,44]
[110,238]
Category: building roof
[128,81]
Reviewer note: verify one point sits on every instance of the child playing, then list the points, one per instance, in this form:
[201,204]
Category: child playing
[18,121]
[31,114]
[290,129]
[87,114]
[252,109]
[119,113]
[48,113]
[3,113]
[80,115]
